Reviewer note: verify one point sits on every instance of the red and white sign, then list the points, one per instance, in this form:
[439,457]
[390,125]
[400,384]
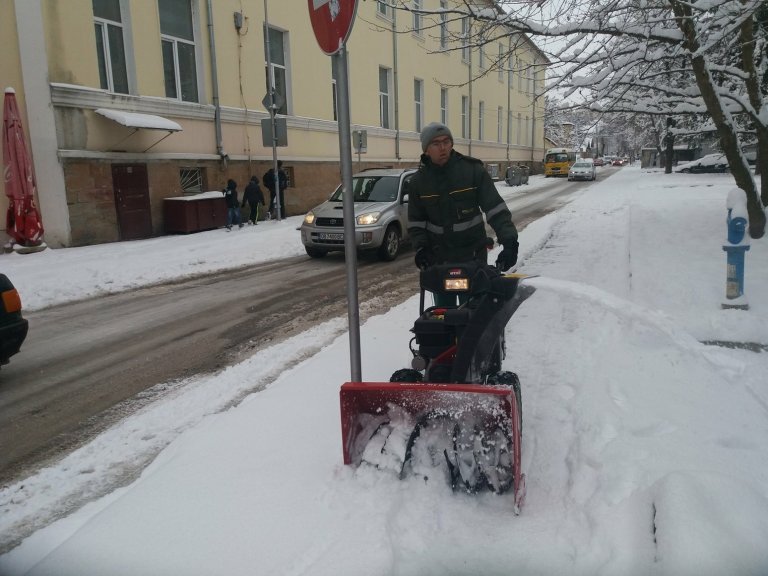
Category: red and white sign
[332,22]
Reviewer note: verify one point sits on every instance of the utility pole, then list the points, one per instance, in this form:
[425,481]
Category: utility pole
[272,111]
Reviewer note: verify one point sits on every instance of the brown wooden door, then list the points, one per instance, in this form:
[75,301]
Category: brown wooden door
[134,217]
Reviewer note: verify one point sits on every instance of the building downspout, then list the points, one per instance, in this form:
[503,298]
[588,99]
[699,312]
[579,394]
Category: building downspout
[509,100]
[215,81]
[469,112]
[533,119]
[395,82]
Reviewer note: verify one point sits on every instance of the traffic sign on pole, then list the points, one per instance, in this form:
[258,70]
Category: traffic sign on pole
[332,22]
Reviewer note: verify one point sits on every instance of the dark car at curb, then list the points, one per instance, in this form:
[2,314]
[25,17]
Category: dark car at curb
[13,327]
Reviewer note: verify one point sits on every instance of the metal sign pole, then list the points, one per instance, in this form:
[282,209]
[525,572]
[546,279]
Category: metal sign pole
[272,112]
[350,246]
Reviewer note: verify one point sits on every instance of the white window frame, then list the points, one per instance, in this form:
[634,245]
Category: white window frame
[444,105]
[481,121]
[383,9]
[501,62]
[418,103]
[418,24]
[385,99]
[443,24]
[527,131]
[125,32]
[464,116]
[465,55]
[519,127]
[175,41]
[499,123]
[285,68]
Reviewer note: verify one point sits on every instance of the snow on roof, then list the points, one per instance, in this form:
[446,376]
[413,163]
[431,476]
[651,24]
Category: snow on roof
[136,120]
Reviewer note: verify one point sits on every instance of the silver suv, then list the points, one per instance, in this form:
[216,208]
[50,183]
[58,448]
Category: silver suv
[381,215]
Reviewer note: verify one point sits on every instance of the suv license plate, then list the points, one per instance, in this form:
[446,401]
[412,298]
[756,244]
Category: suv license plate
[329,236]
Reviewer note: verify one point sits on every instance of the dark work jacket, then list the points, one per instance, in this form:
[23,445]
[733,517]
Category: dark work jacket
[446,206]
[269,180]
[230,195]
[253,194]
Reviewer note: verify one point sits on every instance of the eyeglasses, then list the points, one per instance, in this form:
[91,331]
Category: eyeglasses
[442,142]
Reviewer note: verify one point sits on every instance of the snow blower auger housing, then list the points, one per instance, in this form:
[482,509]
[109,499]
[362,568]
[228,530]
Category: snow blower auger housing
[454,411]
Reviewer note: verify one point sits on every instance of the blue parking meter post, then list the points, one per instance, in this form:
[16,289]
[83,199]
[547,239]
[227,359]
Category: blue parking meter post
[735,249]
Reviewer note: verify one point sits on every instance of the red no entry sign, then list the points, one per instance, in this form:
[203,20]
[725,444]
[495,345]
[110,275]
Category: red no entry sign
[332,22]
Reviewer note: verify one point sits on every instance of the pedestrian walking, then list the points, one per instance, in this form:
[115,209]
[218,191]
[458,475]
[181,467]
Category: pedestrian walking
[282,183]
[254,197]
[233,205]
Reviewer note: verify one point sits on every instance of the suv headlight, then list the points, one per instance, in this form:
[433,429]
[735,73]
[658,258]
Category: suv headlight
[370,218]
[309,218]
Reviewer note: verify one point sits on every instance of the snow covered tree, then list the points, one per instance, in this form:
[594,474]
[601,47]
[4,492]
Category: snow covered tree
[664,58]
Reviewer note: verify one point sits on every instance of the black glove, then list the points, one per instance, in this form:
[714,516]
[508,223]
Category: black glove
[424,258]
[508,256]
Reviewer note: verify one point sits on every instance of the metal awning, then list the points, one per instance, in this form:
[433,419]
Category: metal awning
[140,121]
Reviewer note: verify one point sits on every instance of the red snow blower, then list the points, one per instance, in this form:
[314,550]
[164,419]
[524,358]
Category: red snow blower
[454,412]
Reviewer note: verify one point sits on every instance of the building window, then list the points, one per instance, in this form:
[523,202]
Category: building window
[481,57]
[510,119]
[191,180]
[334,92]
[418,99]
[417,16]
[443,24]
[382,9]
[465,39]
[501,62]
[464,116]
[384,82]
[444,105]
[178,40]
[519,127]
[276,43]
[110,50]
[520,76]
[499,123]
[480,121]
[527,131]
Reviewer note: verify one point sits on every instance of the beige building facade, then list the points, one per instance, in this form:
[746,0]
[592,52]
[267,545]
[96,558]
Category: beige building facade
[129,102]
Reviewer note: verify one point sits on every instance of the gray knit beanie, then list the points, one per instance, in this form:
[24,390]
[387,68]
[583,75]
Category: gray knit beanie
[432,131]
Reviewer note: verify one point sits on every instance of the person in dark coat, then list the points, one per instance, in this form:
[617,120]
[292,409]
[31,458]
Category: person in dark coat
[269,181]
[233,205]
[447,198]
[254,198]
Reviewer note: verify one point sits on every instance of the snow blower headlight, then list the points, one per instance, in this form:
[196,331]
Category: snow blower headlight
[456,284]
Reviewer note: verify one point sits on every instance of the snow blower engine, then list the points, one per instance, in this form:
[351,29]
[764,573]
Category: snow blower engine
[454,412]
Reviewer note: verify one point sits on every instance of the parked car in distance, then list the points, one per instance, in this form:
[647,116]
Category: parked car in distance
[712,163]
[599,162]
[381,215]
[617,162]
[13,327]
[583,169]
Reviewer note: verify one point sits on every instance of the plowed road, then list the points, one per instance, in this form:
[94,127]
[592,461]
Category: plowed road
[85,364]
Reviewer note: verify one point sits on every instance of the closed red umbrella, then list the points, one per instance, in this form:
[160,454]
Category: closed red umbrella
[23,222]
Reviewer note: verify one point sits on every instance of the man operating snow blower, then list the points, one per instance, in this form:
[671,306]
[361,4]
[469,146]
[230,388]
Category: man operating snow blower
[445,200]
[455,412]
